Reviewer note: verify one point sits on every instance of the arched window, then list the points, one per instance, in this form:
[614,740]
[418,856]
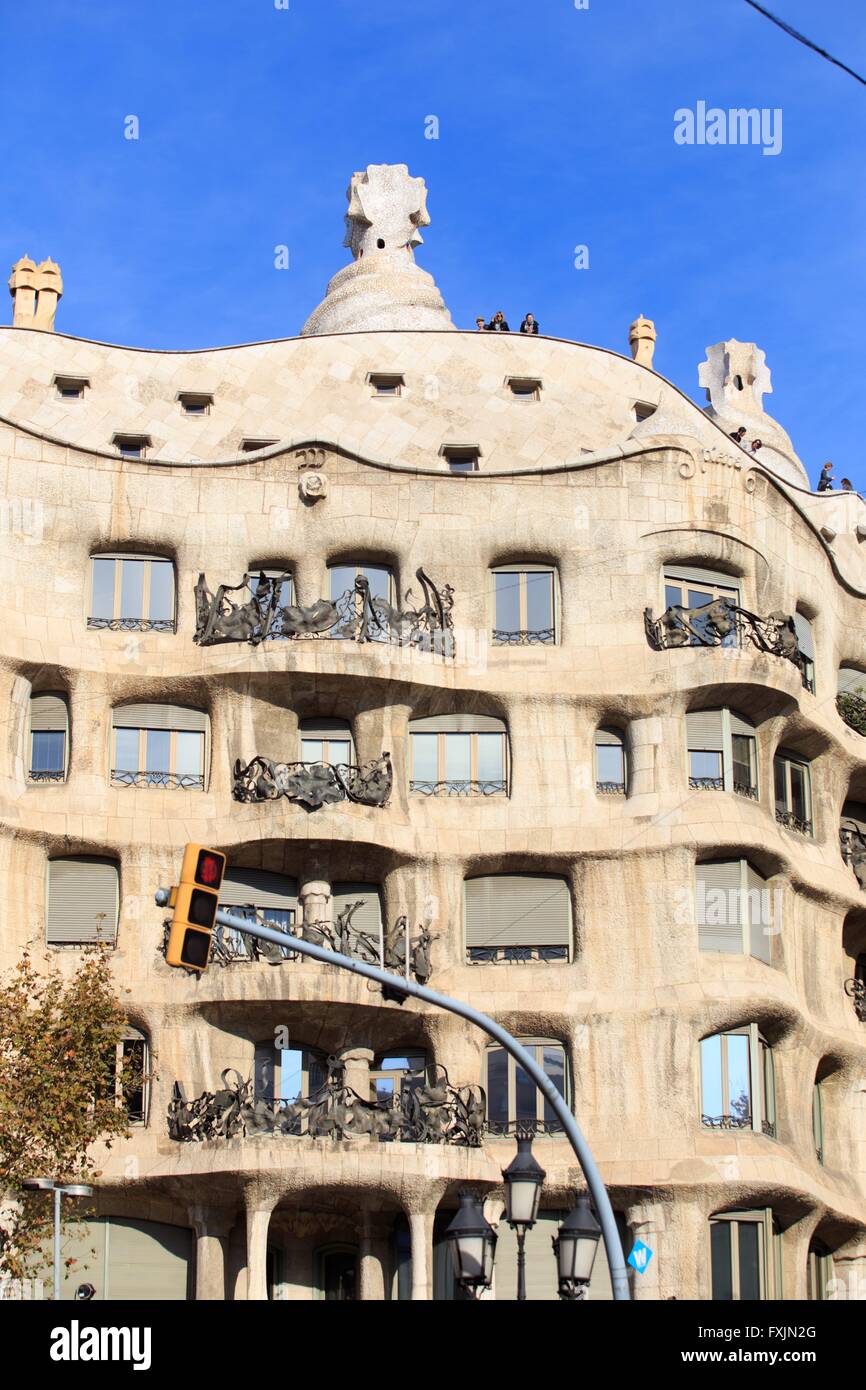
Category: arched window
[736,911]
[132,1074]
[793,791]
[851,697]
[157,745]
[695,588]
[819,1272]
[132,593]
[611,768]
[513,1100]
[48,738]
[818,1118]
[284,1075]
[326,740]
[380,579]
[517,917]
[722,752]
[259,896]
[82,901]
[280,579]
[746,1256]
[806,643]
[738,1089]
[524,605]
[852,838]
[458,755]
[357,925]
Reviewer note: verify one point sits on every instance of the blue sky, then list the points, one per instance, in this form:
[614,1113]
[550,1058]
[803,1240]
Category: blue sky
[555,130]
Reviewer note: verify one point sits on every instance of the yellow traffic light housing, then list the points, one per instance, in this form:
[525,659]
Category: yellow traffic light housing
[195,902]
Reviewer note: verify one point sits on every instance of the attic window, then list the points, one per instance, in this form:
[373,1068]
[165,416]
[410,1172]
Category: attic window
[384,385]
[250,446]
[131,446]
[643,410]
[194,403]
[71,388]
[461,458]
[524,388]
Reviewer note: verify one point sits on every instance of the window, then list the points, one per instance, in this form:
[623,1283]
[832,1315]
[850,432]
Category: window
[746,1256]
[457,755]
[642,410]
[130,1068]
[380,582]
[524,388]
[326,741]
[852,838]
[819,1272]
[252,446]
[194,403]
[158,746]
[793,791]
[132,593]
[818,1119]
[49,735]
[738,1089]
[524,605]
[722,749]
[517,917]
[284,1076]
[806,643]
[735,910]
[397,1074]
[255,894]
[82,901]
[71,388]
[851,697]
[364,926]
[385,384]
[696,588]
[461,458]
[610,762]
[131,446]
[512,1099]
[282,582]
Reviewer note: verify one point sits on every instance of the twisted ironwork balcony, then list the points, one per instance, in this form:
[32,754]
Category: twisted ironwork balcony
[132,624]
[43,776]
[856,990]
[523,637]
[433,1112]
[171,781]
[314,784]
[794,822]
[505,1129]
[610,788]
[852,708]
[746,789]
[357,615]
[456,787]
[726,1121]
[852,843]
[521,955]
[706,784]
[723,623]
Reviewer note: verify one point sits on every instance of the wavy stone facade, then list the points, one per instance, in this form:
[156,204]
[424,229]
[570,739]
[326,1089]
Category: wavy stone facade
[561,483]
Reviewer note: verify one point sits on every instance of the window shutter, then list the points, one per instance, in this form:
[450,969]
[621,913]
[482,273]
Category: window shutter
[805,640]
[697,577]
[158,716]
[258,888]
[609,738]
[368,917]
[704,731]
[47,714]
[850,679]
[719,921]
[739,725]
[147,1260]
[457,724]
[760,910]
[325,728]
[80,890]
[517,910]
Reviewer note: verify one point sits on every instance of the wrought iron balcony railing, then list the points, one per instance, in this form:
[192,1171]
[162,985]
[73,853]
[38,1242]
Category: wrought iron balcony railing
[852,708]
[434,1112]
[852,843]
[737,1122]
[357,615]
[706,784]
[521,955]
[610,788]
[454,787]
[43,776]
[856,990]
[794,822]
[723,623]
[171,781]
[524,637]
[132,624]
[314,784]
[746,789]
[504,1129]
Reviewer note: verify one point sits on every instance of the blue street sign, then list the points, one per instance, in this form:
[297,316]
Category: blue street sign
[640,1256]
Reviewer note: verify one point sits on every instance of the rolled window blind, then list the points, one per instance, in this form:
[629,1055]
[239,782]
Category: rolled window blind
[325,728]
[147,1260]
[805,639]
[158,716]
[368,918]
[704,731]
[609,738]
[517,910]
[851,679]
[760,915]
[718,906]
[457,724]
[259,888]
[739,725]
[47,714]
[698,577]
[82,901]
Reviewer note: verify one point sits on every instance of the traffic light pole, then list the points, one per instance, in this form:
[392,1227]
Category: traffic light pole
[616,1263]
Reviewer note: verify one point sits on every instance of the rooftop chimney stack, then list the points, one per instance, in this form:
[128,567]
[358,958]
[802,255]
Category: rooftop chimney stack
[35,290]
[642,340]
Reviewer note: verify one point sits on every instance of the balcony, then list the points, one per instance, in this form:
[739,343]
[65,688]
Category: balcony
[357,615]
[314,785]
[524,637]
[856,991]
[723,623]
[426,1112]
[852,708]
[852,843]
[791,821]
[457,787]
[169,781]
[743,1122]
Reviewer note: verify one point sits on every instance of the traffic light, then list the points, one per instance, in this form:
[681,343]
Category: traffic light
[195,903]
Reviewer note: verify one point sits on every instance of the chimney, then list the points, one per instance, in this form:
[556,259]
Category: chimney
[642,340]
[35,291]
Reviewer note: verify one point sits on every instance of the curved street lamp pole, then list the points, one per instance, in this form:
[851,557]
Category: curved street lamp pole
[583,1154]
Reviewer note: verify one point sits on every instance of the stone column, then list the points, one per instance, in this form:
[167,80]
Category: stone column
[421,1236]
[371,1272]
[356,1062]
[315,900]
[645,737]
[211,1227]
[258,1217]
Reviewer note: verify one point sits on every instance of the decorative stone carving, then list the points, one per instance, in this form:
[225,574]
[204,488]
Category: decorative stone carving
[736,378]
[36,291]
[642,340]
[313,486]
[314,784]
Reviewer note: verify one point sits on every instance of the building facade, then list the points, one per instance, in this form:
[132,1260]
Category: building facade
[487,655]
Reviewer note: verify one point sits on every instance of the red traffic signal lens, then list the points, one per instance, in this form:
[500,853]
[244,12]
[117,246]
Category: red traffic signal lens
[209,869]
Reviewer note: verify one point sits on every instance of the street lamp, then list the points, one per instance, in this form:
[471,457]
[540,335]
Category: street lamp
[473,1245]
[71,1189]
[523,1180]
[575,1245]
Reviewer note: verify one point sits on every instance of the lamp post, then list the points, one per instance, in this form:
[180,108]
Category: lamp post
[473,1245]
[73,1189]
[575,1245]
[523,1180]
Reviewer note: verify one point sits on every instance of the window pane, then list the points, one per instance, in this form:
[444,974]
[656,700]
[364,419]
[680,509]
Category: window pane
[526,1095]
[705,766]
[711,1077]
[190,753]
[798,792]
[743,749]
[750,1268]
[126,750]
[507,590]
[102,603]
[311,750]
[610,763]
[780,783]
[384,1090]
[554,1067]
[380,580]
[342,578]
[47,751]
[539,601]
[491,758]
[739,1081]
[698,597]
[265,1068]
[458,755]
[720,1247]
[132,589]
[673,595]
[161,590]
[497,1086]
[291,1073]
[339,750]
[158,750]
[316,1073]
[425,757]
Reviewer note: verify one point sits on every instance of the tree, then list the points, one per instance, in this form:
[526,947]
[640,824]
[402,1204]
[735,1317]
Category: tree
[58,1089]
